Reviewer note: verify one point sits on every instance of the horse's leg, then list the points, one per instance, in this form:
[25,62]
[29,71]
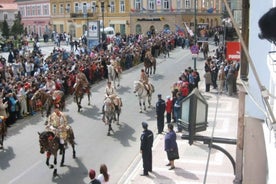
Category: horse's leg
[149,101]
[144,104]
[55,166]
[73,147]
[140,104]
[62,156]
[88,96]
[2,141]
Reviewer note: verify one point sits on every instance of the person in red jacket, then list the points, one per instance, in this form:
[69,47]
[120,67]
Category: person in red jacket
[169,106]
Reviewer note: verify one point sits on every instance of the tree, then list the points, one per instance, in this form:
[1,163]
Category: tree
[18,27]
[5,29]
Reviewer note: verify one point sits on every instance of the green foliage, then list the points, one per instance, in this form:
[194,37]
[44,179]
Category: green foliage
[5,29]
[18,27]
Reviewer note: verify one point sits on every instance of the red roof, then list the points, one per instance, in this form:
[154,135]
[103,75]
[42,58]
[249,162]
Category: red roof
[8,6]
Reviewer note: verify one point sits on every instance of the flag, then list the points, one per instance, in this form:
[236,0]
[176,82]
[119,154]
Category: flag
[132,10]
[211,10]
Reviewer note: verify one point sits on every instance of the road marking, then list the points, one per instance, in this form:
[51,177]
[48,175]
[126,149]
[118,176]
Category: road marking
[23,173]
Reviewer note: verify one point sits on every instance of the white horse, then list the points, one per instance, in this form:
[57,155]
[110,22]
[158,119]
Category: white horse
[109,114]
[113,75]
[143,94]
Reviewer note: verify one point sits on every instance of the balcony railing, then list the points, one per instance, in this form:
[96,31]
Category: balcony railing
[82,15]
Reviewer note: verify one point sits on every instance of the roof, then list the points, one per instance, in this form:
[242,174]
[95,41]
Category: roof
[8,6]
[7,1]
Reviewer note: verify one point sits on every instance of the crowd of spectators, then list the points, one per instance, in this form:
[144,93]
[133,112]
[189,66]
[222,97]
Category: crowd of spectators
[27,70]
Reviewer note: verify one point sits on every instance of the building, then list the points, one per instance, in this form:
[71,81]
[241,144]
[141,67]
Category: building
[8,11]
[35,16]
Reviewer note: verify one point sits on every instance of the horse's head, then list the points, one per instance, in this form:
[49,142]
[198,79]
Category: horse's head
[44,139]
[137,85]
[37,95]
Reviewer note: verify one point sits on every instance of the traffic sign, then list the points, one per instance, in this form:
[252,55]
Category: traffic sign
[194,49]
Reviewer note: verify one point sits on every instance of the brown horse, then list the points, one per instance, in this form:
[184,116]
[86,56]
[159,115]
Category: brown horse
[150,65]
[80,90]
[3,132]
[47,100]
[50,144]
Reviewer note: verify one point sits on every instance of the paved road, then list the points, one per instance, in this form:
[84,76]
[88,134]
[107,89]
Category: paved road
[21,161]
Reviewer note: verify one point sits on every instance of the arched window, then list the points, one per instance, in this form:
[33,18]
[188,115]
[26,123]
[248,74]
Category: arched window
[84,29]
[72,30]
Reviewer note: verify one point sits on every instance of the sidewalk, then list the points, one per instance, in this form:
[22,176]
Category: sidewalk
[191,166]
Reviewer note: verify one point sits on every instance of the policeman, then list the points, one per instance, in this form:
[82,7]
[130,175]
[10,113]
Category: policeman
[145,149]
[160,110]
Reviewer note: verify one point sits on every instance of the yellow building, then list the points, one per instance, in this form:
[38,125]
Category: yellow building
[133,16]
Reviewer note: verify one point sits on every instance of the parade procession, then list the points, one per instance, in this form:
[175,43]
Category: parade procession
[99,91]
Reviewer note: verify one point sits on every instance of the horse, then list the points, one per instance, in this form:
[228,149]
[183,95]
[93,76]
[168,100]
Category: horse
[45,100]
[50,144]
[205,49]
[109,114]
[113,75]
[150,65]
[143,94]
[80,90]
[3,132]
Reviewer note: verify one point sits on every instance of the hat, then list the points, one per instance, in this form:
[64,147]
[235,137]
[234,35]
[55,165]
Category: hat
[168,97]
[144,125]
[92,174]
[159,95]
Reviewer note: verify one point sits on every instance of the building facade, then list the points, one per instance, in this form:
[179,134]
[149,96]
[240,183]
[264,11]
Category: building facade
[35,16]
[8,12]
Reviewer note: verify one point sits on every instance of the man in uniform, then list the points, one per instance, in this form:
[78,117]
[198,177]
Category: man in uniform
[160,110]
[57,123]
[145,149]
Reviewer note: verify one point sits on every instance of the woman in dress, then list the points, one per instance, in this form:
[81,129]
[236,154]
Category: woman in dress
[103,176]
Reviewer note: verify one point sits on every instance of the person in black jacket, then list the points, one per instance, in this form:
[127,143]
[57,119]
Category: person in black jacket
[145,149]
[160,110]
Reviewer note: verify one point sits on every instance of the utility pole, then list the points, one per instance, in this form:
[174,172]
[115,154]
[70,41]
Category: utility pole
[195,25]
[243,76]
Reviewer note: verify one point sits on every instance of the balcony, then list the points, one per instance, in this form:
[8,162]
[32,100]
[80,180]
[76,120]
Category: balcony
[82,15]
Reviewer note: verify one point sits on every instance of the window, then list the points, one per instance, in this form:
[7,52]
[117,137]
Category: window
[138,29]
[166,4]
[151,5]
[137,5]
[45,10]
[54,9]
[22,11]
[33,10]
[68,8]
[28,10]
[38,7]
[76,8]
[61,8]
[187,4]
[61,28]
[123,29]
[112,6]
[122,6]
[93,6]
[84,7]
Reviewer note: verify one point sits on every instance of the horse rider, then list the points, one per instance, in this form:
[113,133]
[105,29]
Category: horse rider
[145,80]
[50,85]
[81,78]
[111,94]
[57,123]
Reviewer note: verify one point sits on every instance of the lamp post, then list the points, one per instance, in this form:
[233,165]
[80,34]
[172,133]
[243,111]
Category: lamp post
[102,9]
[195,29]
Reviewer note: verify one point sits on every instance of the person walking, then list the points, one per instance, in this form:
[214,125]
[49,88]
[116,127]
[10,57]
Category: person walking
[208,80]
[145,149]
[171,146]
[169,107]
[103,176]
[160,110]
[92,175]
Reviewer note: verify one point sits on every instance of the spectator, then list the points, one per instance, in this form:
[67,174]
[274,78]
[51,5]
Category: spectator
[177,111]
[208,80]
[92,175]
[169,108]
[103,176]
[171,146]
[160,110]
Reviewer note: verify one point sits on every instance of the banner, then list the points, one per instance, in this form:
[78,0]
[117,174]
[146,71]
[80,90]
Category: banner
[93,29]
[233,51]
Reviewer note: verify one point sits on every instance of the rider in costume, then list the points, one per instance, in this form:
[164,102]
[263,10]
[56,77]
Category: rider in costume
[81,78]
[145,80]
[57,123]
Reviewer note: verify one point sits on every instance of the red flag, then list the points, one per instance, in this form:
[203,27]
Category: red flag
[132,10]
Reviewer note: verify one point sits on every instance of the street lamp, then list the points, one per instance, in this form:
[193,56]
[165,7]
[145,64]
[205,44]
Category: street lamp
[102,9]
[195,29]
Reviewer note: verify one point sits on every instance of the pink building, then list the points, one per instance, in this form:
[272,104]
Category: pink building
[35,16]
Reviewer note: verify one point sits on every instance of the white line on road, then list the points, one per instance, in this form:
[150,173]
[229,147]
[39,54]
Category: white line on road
[23,173]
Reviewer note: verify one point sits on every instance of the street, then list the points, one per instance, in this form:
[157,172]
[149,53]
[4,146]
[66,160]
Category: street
[21,162]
